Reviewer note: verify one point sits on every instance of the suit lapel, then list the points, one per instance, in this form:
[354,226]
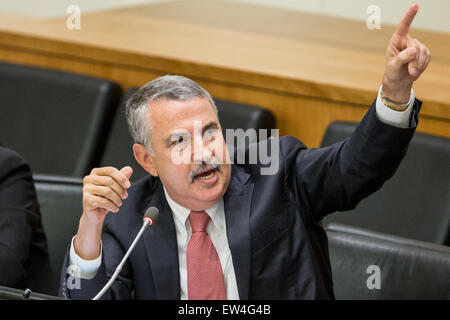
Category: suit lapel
[237,203]
[162,249]
[161,243]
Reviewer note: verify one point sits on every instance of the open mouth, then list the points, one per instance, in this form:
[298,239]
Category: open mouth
[206,174]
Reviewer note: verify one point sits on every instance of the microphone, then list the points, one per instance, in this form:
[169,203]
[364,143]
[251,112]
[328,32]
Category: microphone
[150,216]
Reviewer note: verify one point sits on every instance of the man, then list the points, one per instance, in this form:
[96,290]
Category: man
[227,231]
[23,247]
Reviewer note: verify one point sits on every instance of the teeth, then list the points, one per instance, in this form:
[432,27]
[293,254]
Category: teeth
[208,176]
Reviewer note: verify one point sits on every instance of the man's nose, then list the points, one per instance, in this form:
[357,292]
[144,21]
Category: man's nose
[201,152]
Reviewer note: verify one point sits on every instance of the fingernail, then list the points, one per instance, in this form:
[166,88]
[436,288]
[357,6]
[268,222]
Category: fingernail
[127,184]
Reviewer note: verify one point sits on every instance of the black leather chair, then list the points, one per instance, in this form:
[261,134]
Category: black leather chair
[58,121]
[232,115]
[119,146]
[60,200]
[408,269]
[415,202]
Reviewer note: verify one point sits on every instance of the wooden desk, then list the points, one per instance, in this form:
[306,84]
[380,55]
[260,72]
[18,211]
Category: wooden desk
[308,69]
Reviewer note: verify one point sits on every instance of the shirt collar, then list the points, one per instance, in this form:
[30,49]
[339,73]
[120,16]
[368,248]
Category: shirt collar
[182,214]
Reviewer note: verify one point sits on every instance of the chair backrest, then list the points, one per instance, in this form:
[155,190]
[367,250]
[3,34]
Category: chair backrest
[60,200]
[57,120]
[415,202]
[235,115]
[232,115]
[119,146]
[371,265]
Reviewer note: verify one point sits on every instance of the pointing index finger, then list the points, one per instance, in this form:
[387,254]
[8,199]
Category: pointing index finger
[405,23]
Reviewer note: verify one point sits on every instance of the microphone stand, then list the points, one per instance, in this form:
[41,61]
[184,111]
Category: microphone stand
[145,224]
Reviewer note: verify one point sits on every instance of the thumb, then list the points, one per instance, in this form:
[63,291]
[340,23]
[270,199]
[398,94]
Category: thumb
[127,171]
[405,57]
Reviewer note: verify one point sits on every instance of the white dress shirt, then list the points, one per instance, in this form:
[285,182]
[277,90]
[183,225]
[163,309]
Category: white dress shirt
[395,118]
[216,229]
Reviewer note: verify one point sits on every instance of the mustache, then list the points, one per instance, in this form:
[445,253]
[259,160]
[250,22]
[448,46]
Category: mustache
[212,164]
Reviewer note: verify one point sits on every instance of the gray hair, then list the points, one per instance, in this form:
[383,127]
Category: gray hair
[167,87]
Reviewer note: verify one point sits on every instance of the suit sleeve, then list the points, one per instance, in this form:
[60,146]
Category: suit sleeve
[338,177]
[19,212]
[73,286]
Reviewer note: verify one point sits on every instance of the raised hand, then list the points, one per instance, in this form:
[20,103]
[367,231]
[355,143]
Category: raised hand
[406,60]
[103,191]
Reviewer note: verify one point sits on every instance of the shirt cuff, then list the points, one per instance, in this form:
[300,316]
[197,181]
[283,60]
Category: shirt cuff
[392,117]
[84,269]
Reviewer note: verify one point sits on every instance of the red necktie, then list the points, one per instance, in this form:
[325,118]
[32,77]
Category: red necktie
[204,272]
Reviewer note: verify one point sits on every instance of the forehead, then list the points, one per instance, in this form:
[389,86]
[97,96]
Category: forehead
[169,115]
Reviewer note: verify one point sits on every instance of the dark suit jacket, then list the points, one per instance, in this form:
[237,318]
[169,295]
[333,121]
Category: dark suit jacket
[278,247]
[23,247]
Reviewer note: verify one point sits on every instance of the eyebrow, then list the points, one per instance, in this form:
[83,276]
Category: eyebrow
[208,126]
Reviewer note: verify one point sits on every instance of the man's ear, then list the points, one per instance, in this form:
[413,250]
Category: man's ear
[144,158]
